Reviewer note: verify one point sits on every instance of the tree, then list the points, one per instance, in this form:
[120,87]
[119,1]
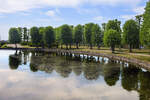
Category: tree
[20,30]
[28,35]
[139,19]
[66,35]
[14,36]
[131,33]
[114,24]
[144,33]
[25,30]
[112,38]
[35,36]
[49,36]
[88,34]
[58,36]
[78,35]
[97,33]
[42,32]
[104,26]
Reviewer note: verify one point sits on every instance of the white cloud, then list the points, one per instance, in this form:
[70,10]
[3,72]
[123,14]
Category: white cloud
[54,14]
[99,18]
[50,13]
[11,6]
[127,17]
[139,10]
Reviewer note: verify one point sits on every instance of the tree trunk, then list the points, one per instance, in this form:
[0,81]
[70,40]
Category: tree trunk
[90,46]
[98,47]
[66,46]
[61,46]
[77,46]
[70,46]
[15,45]
[130,48]
[113,48]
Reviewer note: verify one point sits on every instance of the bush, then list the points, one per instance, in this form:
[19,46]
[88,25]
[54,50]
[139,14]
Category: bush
[4,46]
[24,43]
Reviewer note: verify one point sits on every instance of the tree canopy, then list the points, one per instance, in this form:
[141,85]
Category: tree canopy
[78,35]
[66,35]
[131,33]
[14,36]
[144,34]
[35,36]
[49,36]
[112,38]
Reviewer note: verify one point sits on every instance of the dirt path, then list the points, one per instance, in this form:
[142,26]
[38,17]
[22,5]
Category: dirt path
[13,46]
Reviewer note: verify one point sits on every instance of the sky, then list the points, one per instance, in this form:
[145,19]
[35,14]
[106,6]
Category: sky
[28,13]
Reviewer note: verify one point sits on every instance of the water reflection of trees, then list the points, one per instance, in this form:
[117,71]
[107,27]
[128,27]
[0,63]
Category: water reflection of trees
[132,78]
[144,88]
[111,73]
[15,60]
[91,71]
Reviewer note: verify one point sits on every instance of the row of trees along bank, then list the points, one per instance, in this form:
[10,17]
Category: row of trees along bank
[135,33]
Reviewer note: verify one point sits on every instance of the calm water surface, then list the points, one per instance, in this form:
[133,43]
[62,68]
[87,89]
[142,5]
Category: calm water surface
[41,76]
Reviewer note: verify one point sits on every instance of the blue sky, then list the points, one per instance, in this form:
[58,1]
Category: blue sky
[28,13]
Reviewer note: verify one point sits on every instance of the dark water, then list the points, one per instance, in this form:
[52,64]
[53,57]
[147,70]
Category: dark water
[41,76]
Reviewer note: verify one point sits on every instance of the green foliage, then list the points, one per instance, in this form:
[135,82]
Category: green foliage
[112,38]
[88,30]
[42,32]
[25,35]
[35,36]
[144,34]
[58,35]
[20,32]
[97,35]
[131,33]
[24,43]
[78,34]
[114,24]
[49,36]
[14,36]
[4,46]
[66,34]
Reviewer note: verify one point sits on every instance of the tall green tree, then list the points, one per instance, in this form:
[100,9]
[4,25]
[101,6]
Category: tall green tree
[28,35]
[131,33]
[97,33]
[88,29]
[41,33]
[78,35]
[20,30]
[25,34]
[35,36]
[112,38]
[104,26]
[66,35]
[58,36]
[49,36]
[144,34]
[14,36]
[139,19]
[114,24]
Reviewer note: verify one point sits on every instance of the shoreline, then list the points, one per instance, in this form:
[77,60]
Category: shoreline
[134,61]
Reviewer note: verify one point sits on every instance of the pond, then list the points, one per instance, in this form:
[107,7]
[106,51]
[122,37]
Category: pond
[56,76]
